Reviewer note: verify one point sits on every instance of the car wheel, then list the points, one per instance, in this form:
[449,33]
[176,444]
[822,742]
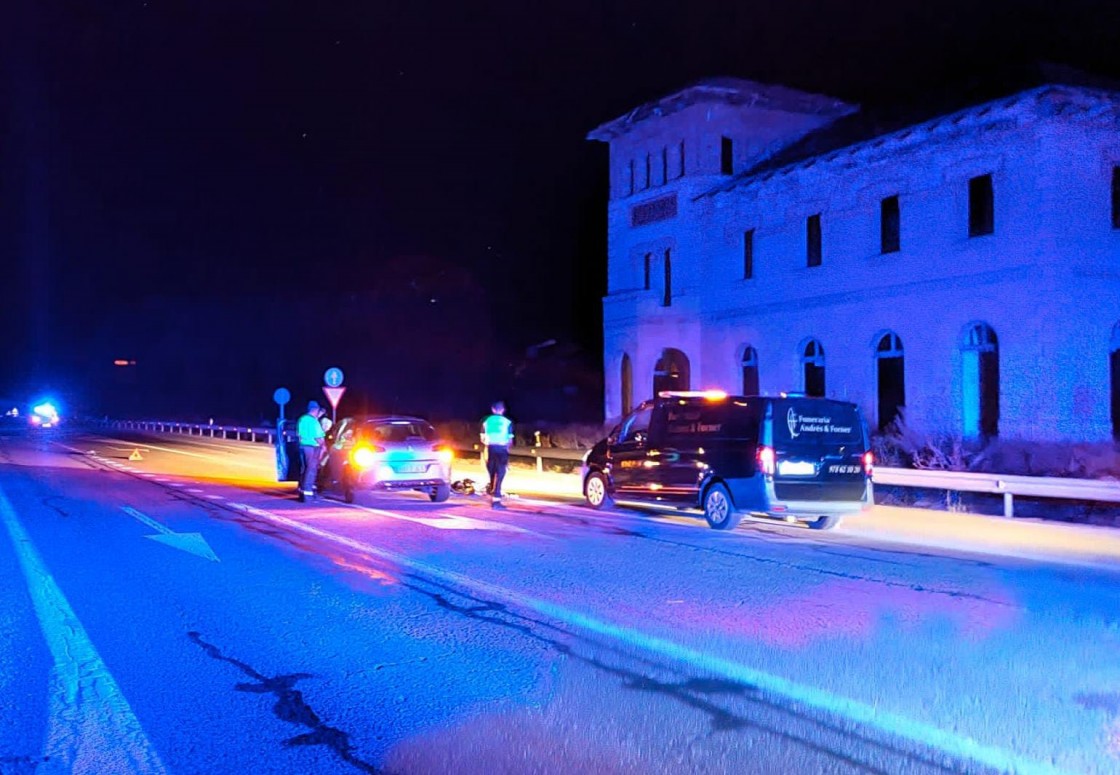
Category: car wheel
[825,523]
[347,488]
[440,493]
[718,508]
[596,492]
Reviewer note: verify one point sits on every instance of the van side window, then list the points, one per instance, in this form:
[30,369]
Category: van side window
[636,426]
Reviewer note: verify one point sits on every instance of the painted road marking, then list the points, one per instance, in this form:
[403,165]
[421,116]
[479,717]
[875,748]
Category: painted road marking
[447,521]
[956,746]
[223,459]
[91,727]
[192,543]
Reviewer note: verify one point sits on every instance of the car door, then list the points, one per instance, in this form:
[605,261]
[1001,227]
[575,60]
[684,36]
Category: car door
[338,452]
[630,451]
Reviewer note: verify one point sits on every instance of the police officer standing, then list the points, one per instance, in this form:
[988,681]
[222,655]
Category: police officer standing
[312,441]
[497,436]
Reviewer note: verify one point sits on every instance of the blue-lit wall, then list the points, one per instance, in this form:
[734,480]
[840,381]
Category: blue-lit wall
[1047,280]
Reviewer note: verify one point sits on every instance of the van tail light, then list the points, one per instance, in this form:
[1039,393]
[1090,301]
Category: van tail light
[765,458]
[868,462]
[444,453]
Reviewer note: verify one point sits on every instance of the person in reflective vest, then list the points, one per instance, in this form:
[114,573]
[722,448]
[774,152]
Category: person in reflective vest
[312,442]
[497,437]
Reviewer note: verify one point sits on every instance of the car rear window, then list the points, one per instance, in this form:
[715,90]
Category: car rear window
[807,420]
[398,431]
[721,419]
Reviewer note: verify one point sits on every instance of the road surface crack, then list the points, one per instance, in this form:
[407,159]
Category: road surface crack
[291,707]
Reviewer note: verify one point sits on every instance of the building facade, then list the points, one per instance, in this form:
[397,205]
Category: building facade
[966,268]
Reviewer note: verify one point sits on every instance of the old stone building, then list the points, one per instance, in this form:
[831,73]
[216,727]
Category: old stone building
[762,239]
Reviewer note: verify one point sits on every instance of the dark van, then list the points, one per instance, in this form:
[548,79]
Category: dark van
[789,457]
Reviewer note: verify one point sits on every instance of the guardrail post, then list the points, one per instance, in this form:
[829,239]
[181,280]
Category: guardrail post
[1008,505]
[540,462]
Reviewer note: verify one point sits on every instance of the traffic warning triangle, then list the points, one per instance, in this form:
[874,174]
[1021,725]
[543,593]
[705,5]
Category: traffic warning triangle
[135,455]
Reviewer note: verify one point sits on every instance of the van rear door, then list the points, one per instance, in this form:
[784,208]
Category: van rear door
[818,450]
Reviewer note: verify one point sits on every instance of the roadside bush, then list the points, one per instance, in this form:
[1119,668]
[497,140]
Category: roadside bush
[463,433]
[936,451]
[902,446]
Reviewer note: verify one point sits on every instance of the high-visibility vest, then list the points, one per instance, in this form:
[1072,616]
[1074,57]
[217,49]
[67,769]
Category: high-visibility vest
[497,431]
[309,430]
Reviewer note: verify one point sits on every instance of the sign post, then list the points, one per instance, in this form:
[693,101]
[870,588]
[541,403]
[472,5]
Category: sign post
[333,389]
[281,397]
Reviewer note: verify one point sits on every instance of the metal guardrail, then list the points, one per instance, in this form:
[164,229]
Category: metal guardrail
[268,436]
[1009,486]
[235,432]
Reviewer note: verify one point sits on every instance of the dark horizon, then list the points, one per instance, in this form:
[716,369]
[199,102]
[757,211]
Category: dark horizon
[239,196]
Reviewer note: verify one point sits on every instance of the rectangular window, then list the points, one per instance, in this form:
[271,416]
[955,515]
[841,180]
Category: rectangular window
[726,158]
[981,206]
[664,165]
[680,170]
[647,171]
[667,298]
[813,240]
[748,254]
[648,261]
[631,176]
[1116,197]
[889,241]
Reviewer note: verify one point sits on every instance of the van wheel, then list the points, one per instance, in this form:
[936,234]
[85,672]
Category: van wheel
[347,488]
[440,493]
[825,523]
[718,508]
[596,492]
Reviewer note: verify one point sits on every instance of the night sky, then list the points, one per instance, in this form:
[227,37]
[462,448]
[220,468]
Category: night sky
[215,189]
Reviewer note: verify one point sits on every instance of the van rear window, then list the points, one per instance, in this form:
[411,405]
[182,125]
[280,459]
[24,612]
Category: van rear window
[727,420]
[808,420]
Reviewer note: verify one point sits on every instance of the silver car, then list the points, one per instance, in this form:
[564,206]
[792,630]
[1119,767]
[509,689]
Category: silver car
[388,452]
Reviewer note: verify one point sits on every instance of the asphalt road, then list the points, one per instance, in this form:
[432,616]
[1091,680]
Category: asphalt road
[184,613]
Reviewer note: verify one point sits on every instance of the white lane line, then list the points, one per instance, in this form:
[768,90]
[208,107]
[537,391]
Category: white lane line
[92,728]
[956,746]
[447,521]
[227,460]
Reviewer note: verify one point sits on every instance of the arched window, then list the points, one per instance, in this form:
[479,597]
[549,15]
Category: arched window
[1114,384]
[626,384]
[749,366]
[891,377]
[980,381]
[671,371]
[812,368]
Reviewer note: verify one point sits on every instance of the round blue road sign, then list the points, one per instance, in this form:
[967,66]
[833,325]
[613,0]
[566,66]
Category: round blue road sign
[281,396]
[333,377]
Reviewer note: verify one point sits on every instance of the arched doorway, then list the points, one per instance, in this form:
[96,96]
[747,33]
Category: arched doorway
[749,366]
[891,378]
[626,384]
[980,382]
[812,368]
[671,371]
[1114,379]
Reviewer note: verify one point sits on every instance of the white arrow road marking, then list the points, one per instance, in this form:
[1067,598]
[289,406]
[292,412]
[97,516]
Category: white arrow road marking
[193,543]
[91,728]
[951,743]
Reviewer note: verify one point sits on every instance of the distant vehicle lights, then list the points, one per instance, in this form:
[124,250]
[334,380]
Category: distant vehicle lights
[44,415]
